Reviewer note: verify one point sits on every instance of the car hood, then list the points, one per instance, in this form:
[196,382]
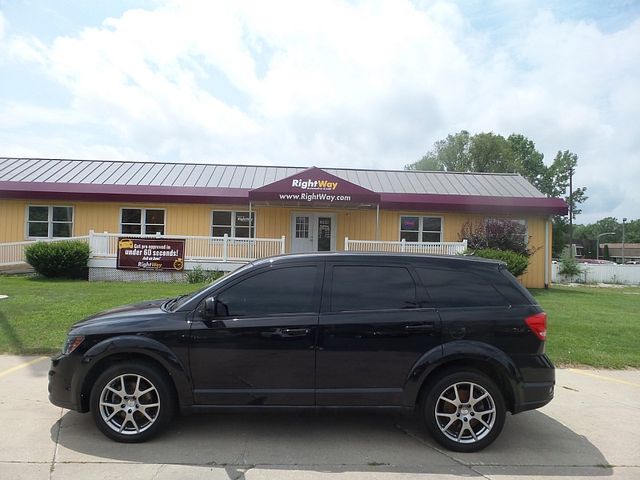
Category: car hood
[126,313]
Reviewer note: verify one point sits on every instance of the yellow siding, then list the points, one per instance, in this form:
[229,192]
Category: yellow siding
[271,222]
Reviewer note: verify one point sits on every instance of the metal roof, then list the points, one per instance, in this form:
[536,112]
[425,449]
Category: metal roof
[248,177]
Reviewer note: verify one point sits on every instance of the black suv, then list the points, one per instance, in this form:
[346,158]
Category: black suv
[455,338]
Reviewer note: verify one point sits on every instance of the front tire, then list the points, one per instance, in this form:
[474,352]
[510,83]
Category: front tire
[132,402]
[464,411]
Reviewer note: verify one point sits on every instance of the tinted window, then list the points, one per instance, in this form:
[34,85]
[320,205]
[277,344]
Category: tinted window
[371,288]
[459,288]
[285,290]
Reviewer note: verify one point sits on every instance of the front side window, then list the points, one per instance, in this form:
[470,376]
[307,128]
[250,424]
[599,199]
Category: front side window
[420,229]
[280,291]
[371,288]
[49,221]
[142,221]
[232,224]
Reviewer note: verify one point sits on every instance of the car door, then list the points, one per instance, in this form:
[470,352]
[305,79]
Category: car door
[258,347]
[373,329]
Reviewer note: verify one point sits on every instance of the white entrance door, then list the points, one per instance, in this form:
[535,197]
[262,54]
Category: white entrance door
[313,232]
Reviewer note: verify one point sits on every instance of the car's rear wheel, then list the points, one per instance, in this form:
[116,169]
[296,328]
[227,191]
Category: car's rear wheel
[132,402]
[464,410]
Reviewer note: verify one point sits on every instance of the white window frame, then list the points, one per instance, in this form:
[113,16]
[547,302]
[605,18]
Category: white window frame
[521,221]
[420,226]
[252,228]
[49,222]
[143,224]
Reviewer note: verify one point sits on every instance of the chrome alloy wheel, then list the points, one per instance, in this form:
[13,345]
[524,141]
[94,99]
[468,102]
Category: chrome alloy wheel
[465,412]
[129,404]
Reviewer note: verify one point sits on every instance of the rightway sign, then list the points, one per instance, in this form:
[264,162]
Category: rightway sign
[150,254]
[315,186]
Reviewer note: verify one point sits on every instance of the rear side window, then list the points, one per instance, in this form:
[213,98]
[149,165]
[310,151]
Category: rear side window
[284,290]
[459,288]
[371,288]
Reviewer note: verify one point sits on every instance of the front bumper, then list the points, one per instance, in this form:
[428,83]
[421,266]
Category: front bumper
[63,392]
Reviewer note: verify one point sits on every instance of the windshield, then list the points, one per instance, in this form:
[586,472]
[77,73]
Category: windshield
[178,302]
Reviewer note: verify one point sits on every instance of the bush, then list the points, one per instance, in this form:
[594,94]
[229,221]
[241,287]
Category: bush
[517,263]
[59,259]
[199,275]
[569,267]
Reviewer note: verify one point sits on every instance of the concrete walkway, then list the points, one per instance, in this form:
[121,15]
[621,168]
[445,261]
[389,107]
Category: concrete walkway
[591,430]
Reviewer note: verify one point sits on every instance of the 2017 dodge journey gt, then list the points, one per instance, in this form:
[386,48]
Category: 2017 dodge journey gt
[456,339]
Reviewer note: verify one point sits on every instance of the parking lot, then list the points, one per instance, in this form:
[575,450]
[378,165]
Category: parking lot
[590,430]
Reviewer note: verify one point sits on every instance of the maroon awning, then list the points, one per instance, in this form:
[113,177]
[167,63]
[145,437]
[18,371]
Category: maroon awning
[314,186]
[473,203]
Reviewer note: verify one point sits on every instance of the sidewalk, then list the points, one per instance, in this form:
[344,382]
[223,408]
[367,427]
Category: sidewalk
[590,430]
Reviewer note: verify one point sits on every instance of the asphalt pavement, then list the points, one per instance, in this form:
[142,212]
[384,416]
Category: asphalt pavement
[590,430]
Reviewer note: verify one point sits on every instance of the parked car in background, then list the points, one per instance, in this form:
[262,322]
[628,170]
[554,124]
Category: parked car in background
[457,340]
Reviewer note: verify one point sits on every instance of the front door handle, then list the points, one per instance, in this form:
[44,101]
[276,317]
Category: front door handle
[296,332]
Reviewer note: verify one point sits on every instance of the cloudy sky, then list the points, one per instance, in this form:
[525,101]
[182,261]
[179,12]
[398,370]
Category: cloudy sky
[328,83]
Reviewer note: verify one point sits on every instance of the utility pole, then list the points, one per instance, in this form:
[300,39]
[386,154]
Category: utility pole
[624,220]
[571,254]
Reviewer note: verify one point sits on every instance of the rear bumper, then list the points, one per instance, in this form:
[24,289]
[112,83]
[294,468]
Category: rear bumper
[538,383]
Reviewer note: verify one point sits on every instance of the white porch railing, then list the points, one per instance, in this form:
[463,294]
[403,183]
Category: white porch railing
[13,253]
[433,248]
[198,248]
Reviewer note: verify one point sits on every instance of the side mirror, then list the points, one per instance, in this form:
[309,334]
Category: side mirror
[210,308]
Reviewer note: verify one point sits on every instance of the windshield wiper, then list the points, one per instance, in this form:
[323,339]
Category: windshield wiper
[173,301]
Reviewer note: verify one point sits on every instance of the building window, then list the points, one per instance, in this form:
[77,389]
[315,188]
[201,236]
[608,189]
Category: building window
[514,226]
[49,221]
[420,229]
[142,221]
[233,224]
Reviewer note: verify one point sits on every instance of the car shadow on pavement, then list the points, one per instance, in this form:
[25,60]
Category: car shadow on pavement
[334,441]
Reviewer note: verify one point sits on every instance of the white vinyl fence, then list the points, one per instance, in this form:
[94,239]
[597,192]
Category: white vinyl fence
[432,248]
[13,253]
[198,249]
[594,273]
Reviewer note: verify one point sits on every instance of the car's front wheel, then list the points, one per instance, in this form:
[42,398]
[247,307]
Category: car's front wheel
[132,402]
[464,411]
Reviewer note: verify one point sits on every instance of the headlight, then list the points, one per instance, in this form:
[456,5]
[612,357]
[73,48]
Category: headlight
[73,342]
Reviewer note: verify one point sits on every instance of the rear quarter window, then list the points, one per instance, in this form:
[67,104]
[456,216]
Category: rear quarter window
[449,288]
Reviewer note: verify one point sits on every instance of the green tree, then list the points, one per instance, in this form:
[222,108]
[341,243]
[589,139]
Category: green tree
[489,152]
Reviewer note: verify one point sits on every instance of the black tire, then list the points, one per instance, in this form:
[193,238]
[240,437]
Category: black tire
[132,402]
[463,424]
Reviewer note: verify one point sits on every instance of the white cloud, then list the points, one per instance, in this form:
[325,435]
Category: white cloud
[369,84]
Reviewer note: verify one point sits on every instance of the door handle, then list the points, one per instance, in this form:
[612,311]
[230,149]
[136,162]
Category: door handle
[420,327]
[296,332]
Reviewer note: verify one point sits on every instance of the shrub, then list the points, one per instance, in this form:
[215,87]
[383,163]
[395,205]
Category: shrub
[569,267]
[59,259]
[199,275]
[517,263]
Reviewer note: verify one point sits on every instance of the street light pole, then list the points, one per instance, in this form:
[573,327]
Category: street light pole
[598,243]
[624,220]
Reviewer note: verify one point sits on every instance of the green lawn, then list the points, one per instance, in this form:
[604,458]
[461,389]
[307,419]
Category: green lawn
[587,326]
[36,316]
[592,326]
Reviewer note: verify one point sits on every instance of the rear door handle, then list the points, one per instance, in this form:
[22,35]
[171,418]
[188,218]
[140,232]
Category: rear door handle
[420,327]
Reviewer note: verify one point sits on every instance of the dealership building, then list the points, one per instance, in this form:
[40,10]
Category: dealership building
[300,209]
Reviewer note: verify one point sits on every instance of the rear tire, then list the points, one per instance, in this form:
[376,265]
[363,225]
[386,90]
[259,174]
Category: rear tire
[463,410]
[132,402]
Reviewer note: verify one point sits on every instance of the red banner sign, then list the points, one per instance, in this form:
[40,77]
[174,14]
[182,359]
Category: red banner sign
[150,254]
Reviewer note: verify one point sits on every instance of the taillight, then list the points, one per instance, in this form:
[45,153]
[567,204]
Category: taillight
[538,324]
